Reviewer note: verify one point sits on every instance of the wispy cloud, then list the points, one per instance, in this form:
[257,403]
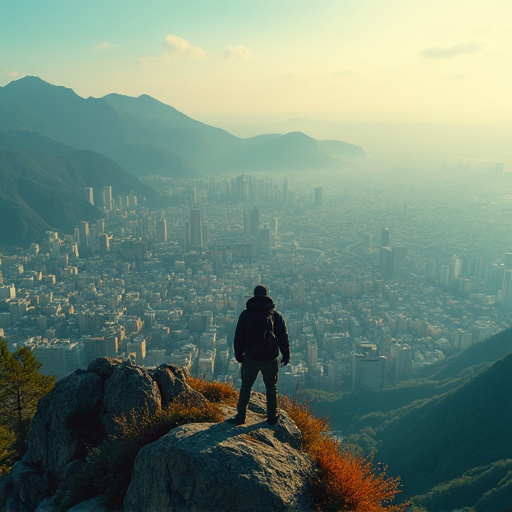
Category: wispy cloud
[175,48]
[237,52]
[438,52]
[102,47]
[179,47]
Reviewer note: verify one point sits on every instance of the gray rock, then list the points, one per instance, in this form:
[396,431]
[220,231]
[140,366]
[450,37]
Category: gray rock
[29,483]
[171,383]
[219,467]
[54,441]
[104,366]
[129,388]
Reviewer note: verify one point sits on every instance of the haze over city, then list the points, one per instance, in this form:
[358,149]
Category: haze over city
[160,159]
[424,78]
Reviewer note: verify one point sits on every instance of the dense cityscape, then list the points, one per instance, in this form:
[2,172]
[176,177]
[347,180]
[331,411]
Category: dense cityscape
[377,274]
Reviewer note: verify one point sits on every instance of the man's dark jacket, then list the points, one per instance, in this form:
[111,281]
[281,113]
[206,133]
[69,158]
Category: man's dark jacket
[255,306]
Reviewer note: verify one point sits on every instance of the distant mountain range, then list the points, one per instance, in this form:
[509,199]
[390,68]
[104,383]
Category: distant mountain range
[447,435]
[145,136]
[53,143]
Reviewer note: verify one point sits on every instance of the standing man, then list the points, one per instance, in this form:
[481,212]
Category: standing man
[260,336]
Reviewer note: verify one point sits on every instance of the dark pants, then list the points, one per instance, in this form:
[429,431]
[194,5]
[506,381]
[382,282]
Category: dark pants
[270,373]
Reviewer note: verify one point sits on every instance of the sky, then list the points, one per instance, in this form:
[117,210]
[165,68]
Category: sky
[254,64]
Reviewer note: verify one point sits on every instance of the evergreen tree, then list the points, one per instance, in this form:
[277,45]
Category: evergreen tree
[21,387]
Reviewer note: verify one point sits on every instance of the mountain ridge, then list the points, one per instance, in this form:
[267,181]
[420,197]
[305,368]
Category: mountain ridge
[146,136]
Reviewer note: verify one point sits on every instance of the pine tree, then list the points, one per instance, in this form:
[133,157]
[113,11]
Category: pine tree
[21,387]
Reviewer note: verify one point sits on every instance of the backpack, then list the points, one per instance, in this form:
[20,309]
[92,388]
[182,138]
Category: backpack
[262,342]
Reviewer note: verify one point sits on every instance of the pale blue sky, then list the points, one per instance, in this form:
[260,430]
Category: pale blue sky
[441,61]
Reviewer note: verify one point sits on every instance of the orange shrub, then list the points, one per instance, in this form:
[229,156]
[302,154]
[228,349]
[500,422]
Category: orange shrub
[214,391]
[345,480]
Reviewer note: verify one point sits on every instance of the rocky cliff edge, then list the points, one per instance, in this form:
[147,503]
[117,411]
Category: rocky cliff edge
[194,467]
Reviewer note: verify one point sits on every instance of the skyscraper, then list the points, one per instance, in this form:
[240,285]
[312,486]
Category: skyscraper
[106,195]
[89,194]
[368,372]
[384,237]
[83,233]
[254,221]
[195,231]
[161,231]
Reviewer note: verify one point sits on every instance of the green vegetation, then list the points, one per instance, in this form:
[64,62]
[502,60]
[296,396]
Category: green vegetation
[472,488]
[21,387]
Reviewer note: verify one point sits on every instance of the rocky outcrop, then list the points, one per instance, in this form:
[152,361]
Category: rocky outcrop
[219,467]
[202,466]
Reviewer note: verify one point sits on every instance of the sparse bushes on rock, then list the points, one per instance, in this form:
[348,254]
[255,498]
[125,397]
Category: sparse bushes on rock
[108,467]
[345,480]
[214,391]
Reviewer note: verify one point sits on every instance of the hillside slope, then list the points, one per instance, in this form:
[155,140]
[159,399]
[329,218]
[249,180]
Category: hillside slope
[147,137]
[44,190]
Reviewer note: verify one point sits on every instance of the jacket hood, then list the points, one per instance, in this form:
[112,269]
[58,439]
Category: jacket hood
[260,304]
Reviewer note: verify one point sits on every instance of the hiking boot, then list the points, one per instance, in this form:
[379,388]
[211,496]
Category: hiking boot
[272,420]
[237,420]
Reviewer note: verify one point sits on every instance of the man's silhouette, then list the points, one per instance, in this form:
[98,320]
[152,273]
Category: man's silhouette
[260,336]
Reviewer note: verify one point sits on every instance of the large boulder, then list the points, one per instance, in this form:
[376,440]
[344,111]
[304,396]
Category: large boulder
[129,388]
[194,467]
[54,435]
[221,467]
[78,413]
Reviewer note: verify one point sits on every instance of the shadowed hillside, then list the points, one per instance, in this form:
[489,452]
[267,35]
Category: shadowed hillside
[44,190]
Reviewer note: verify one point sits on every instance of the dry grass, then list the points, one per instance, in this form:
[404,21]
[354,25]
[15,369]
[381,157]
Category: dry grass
[214,391]
[108,468]
[345,480]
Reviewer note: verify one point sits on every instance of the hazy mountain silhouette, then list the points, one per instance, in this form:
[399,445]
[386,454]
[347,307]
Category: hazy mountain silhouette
[145,136]
[43,188]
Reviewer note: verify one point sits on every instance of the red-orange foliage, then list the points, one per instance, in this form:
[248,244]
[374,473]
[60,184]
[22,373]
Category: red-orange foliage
[345,480]
[214,391]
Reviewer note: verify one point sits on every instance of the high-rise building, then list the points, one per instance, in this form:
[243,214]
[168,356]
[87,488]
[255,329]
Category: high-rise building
[104,243]
[161,231]
[385,261]
[368,372]
[508,261]
[265,239]
[106,196]
[83,233]
[89,194]
[195,231]
[401,354]
[392,261]
[254,221]
[384,237]
[505,294]
[454,268]
[312,355]
[274,227]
